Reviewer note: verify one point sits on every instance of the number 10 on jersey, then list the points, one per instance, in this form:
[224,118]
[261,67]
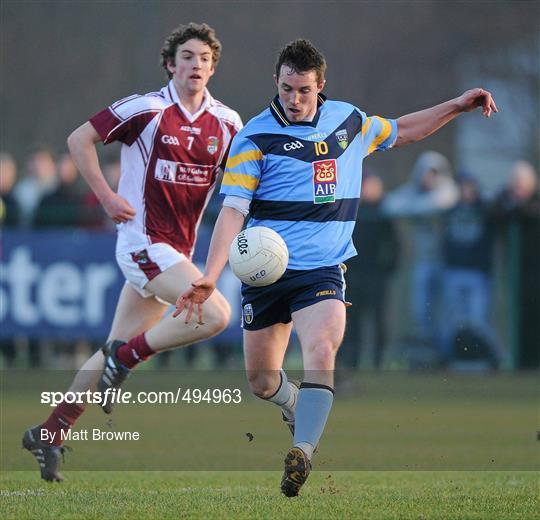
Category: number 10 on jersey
[321,148]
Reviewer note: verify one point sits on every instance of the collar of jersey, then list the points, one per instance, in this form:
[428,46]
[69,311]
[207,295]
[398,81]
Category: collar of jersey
[279,114]
[208,100]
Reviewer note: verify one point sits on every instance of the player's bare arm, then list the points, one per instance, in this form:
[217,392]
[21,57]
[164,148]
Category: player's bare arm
[418,125]
[82,145]
[228,225]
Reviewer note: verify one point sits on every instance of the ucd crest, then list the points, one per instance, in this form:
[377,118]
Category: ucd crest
[248,313]
[342,138]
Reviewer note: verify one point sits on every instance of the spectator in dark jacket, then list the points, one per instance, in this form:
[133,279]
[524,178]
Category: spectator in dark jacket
[9,217]
[9,207]
[369,273]
[517,211]
[467,257]
[63,206]
[40,179]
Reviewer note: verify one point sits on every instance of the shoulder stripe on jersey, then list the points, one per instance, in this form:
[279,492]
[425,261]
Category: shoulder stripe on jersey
[250,155]
[124,121]
[240,179]
[143,147]
[143,155]
[125,100]
[383,136]
[343,210]
[226,115]
[365,128]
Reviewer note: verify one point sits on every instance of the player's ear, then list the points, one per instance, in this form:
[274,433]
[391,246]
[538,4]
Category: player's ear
[275,80]
[171,65]
[321,85]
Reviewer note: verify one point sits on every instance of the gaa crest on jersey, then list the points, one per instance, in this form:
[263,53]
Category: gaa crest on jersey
[324,181]
[342,138]
[212,144]
[248,313]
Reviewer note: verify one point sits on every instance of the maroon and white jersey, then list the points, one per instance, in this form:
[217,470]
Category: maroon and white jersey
[170,160]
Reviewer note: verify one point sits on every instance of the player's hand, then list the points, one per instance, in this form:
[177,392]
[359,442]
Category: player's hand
[194,298]
[477,97]
[118,208]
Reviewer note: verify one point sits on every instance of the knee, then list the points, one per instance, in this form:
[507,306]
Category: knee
[263,384]
[322,355]
[217,318]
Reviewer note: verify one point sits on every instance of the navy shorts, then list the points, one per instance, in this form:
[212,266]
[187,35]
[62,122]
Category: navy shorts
[266,306]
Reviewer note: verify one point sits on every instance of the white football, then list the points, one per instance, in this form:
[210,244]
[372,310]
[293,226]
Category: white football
[258,256]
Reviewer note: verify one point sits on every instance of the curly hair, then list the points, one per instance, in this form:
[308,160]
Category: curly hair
[183,33]
[301,56]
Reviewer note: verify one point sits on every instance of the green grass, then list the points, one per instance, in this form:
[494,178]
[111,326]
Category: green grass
[415,446]
[370,495]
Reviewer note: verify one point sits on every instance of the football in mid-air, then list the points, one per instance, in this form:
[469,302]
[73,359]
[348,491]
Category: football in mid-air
[258,256]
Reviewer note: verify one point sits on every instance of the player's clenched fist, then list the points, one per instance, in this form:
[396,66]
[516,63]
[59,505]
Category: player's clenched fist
[118,208]
[477,97]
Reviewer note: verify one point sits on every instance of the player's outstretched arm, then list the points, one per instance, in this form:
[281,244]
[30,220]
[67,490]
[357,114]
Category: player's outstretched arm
[418,125]
[82,145]
[228,225]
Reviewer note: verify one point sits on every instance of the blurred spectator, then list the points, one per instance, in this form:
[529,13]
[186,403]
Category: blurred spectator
[429,192]
[40,180]
[9,207]
[63,206]
[60,208]
[375,238]
[9,217]
[517,211]
[468,258]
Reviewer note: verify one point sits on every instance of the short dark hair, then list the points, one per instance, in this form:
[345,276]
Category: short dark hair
[301,56]
[183,33]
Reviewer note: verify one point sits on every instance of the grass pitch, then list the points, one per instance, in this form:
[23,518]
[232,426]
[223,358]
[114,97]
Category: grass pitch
[370,495]
[398,446]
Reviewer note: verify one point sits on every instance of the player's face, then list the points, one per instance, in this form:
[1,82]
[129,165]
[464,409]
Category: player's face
[298,93]
[193,67]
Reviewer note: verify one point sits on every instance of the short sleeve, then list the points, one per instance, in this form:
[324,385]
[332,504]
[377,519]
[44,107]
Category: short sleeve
[378,133]
[243,168]
[124,120]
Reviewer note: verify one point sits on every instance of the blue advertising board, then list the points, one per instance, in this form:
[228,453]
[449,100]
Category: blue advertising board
[65,284]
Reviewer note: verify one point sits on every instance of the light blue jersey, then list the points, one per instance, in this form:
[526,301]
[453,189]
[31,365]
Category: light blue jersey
[304,179]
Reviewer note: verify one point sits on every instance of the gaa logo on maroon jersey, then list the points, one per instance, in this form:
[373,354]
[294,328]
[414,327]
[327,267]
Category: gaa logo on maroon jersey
[170,139]
[324,181]
[212,144]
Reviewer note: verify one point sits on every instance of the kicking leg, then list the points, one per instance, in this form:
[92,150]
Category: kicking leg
[264,351]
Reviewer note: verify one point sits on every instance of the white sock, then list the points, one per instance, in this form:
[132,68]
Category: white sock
[285,396]
[306,447]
